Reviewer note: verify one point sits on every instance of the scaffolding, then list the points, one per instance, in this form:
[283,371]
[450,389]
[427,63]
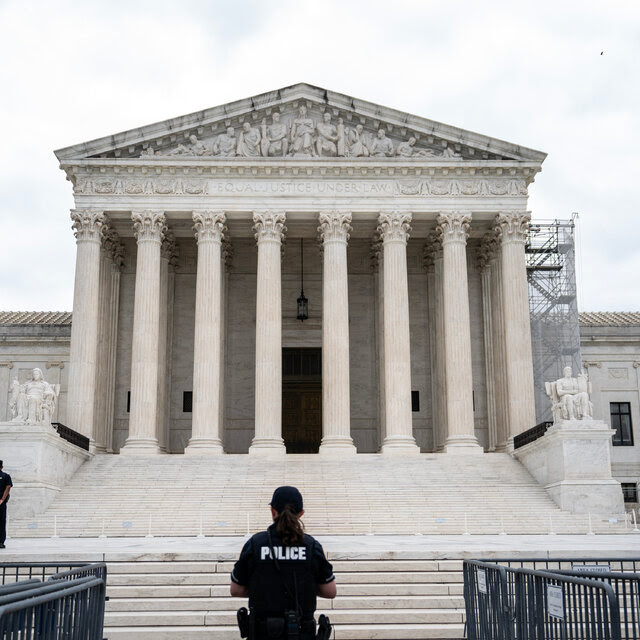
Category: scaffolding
[553,308]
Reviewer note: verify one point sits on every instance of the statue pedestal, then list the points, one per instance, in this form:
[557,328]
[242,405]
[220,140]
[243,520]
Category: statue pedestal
[39,462]
[573,463]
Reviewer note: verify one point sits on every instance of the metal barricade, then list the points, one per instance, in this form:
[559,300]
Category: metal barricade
[15,571]
[552,606]
[488,614]
[69,609]
[96,569]
[14,587]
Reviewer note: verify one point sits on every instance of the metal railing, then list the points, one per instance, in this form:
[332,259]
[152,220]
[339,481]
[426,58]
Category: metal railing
[14,571]
[530,435]
[556,598]
[72,609]
[71,436]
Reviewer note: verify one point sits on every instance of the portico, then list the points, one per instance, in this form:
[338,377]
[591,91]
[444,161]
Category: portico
[189,257]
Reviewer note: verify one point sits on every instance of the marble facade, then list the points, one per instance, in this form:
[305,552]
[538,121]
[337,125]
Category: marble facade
[188,270]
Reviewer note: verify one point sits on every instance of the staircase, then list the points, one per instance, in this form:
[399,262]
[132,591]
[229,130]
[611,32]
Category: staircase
[382,599]
[177,495]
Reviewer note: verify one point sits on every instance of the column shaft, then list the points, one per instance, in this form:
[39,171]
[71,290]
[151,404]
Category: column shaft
[440,359]
[143,437]
[207,361]
[500,379]
[336,411]
[84,330]
[512,228]
[394,229]
[459,398]
[269,228]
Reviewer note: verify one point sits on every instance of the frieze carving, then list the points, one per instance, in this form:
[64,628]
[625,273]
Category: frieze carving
[394,226]
[209,225]
[87,225]
[453,226]
[269,226]
[204,186]
[512,226]
[148,225]
[334,226]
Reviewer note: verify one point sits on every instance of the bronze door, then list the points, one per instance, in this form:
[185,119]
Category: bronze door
[302,400]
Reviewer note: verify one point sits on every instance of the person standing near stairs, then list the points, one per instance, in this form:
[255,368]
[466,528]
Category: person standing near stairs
[5,487]
[282,570]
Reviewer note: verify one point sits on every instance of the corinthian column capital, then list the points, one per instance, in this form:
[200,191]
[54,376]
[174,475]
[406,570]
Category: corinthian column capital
[269,226]
[512,226]
[209,225]
[394,226]
[335,226]
[87,224]
[454,226]
[431,251]
[113,246]
[487,250]
[148,226]
[169,247]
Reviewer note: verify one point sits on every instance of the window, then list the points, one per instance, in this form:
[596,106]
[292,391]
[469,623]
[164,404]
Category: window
[629,491]
[187,401]
[621,422]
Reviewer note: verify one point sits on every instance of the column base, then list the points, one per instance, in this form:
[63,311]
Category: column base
[267,448]
[204,447]
[399,445]
[337,447]
[462,444]
[140,447]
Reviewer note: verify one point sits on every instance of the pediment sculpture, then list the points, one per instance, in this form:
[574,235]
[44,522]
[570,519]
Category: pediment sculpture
[34,401]
[300,135]
[570,397]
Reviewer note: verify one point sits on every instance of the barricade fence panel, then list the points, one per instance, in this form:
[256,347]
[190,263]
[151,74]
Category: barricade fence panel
[564,598]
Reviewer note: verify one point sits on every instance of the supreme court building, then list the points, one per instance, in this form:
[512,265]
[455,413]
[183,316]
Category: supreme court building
[194,239]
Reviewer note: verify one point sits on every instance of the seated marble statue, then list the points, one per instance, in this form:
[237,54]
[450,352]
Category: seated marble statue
[248,141]
[381,145]
[302,130]
[570,397]
[225,144]
[327,138]
[355,142]
[274,137]
[33,402]
[195,148]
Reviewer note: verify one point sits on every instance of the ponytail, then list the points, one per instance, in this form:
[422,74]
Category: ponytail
[289,527]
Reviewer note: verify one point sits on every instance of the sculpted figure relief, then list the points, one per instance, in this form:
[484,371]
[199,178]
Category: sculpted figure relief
[327,140]
[248,141]
[570,397]
[274,137]
[225,144]
[450,153]
[302,130]
[355,143]
[408,150]
[195,148]
[33,402]
[381,145]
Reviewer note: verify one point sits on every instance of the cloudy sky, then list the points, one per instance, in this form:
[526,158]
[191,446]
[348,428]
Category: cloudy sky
[562,77]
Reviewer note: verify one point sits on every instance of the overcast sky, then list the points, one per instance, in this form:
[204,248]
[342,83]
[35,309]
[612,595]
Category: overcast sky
[562,77]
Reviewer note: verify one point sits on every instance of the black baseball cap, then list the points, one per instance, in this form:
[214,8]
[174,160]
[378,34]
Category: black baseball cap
[286,495]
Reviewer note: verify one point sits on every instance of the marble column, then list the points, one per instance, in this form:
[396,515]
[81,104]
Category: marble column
[512,229]
[454,229]
[394,230]
[441,360]
[149,227]
[206,432]
[484,266]
[168,253]
[116,251]
[497,317]
[87,226]
[269,230]
[377,265]
[334,232]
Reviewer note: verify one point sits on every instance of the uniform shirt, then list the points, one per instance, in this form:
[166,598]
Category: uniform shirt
[320,566]
[5,481]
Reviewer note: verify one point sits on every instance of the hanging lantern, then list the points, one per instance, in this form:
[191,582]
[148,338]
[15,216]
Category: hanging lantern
[303,303]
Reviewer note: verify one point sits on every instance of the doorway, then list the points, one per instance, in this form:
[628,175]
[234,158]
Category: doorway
[302,399]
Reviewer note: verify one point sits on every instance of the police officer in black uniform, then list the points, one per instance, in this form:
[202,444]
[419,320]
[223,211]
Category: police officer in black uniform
[282,570]
[5,487]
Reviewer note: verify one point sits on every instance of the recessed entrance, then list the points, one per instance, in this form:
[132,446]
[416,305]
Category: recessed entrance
[302,400]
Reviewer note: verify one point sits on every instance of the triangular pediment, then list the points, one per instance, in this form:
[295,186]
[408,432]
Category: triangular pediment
[300,122]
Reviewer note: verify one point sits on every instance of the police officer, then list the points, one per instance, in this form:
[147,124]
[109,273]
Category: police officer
[282,570]
[5,487]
